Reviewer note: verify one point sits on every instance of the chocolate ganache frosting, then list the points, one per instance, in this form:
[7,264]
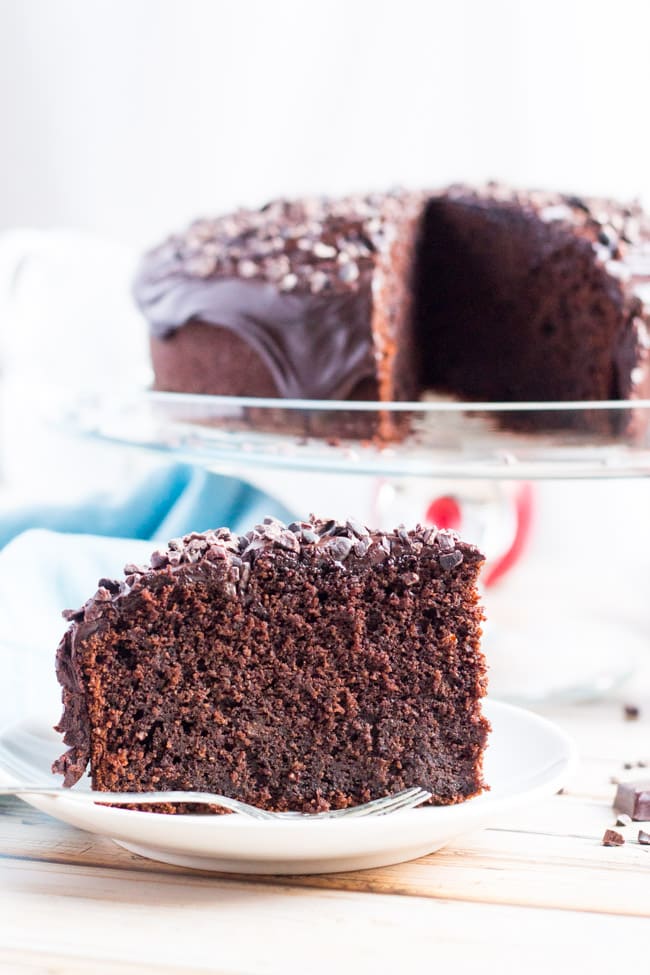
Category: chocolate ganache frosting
[295,280]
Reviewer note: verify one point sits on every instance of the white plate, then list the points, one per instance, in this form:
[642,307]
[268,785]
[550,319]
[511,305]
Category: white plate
[527,758]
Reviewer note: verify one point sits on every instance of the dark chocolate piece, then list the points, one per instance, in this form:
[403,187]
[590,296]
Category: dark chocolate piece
[283,667]
[612,838]
[631,712]
[644,838]
[633,798]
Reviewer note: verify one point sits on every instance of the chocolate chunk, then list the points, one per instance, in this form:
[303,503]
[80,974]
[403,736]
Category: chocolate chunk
[361,546]
[631,712]
[357,528]
[377,553]
[131,569]
[288,541]
[577,203]
[338,548]
[159,559]
[449,560]
[644,838]
[446,541]
[111,584]
[612,838]
[623,820]
[633,798]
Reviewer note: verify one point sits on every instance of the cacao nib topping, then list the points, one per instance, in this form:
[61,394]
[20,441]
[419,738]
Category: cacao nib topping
[306,245]
[449,560]
[338,548]
[361,546]
[446,541]
[322,538]
[357,528]
[159,559]
[110,584]
[288,279]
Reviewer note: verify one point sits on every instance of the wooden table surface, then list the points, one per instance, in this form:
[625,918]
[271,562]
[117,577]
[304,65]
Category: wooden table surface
[536,890]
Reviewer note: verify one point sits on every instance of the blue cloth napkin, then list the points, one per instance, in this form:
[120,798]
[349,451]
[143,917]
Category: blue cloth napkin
[53,556]
[171,501]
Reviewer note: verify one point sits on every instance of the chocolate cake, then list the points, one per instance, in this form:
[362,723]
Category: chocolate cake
[487,294]
[301,668]
[305,299]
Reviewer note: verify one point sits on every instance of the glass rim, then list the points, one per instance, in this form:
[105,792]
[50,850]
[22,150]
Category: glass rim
[392,406]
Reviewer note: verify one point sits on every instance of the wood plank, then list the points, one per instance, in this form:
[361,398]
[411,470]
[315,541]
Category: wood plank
[566,867]
[28,961]
[79,915]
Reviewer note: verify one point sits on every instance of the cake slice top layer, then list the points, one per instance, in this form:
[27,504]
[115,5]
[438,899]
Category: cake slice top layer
[343,543]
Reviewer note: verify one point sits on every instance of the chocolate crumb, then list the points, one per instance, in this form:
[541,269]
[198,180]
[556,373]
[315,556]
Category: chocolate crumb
[623,820]
[631,712]
[612,837]
[644,838]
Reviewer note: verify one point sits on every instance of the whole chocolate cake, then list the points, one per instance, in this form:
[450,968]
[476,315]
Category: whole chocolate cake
[303,668]
[487,294]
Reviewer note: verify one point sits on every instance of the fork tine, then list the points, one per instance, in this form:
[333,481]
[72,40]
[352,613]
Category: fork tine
[406,799]
[408,802]
[375,807]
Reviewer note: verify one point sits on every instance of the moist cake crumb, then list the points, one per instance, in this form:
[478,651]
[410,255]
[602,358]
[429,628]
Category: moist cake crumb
[302,667]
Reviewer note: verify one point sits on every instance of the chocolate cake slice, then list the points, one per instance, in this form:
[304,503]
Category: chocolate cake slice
[301,668]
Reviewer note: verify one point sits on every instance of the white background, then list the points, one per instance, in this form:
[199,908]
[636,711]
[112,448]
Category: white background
[128,117]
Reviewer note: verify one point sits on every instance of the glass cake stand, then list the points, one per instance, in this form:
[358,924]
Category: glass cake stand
[439,438]
[560,513]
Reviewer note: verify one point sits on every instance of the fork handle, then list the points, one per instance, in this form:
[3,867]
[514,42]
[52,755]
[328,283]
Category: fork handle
[126,798]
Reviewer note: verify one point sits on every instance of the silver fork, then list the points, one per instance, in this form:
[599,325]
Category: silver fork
[406,799]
